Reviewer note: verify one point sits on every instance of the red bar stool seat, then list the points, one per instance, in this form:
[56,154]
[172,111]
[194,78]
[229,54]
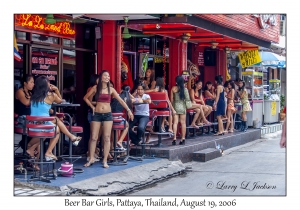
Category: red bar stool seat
[37,127]
[161,105]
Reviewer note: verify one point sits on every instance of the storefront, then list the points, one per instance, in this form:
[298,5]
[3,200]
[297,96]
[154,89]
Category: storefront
[211,42]
[63,51]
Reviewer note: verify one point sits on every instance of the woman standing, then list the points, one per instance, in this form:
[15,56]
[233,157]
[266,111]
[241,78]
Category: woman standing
[102,115]
[219,104]
[196,97]
[230,106]
[179,97]
[44,94]
[243,94]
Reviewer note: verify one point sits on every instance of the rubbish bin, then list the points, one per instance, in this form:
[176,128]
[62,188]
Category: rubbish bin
[271,110]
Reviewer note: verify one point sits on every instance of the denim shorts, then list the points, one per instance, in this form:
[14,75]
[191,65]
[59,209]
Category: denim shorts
[101,117]
[90,117]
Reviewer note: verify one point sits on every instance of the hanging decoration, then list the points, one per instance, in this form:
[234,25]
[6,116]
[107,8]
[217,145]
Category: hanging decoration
[164,61]
[144,65]
[228,77]
[193,71]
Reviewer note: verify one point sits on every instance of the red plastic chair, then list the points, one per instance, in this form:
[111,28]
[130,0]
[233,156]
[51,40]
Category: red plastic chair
[160,101]
[48,131]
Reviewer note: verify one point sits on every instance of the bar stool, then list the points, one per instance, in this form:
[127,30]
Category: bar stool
[20,130]
[74,130]
[160,101]
[119,123]
[189,117]
[48,131]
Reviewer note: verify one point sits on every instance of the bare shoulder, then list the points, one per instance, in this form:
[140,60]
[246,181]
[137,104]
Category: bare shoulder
[112,90]
[94,88]
[174,89]
[19,93]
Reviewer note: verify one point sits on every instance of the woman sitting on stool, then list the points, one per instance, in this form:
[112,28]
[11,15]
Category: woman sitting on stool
[141,115]
[44,94]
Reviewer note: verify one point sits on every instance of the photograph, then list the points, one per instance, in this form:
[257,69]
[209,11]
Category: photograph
[149,110]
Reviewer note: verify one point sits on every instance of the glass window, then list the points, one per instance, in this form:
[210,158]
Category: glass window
[44,39]
[20,35]
[144,45]
[69,43]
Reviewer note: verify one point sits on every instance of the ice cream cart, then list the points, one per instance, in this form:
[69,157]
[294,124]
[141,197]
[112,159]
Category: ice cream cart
[254,86]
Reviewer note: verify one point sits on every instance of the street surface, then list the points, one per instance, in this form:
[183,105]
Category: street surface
[257,168]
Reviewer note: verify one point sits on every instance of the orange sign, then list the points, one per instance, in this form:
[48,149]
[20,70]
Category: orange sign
[37,22]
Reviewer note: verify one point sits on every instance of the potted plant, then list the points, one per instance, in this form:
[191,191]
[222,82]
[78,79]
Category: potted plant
[282,108]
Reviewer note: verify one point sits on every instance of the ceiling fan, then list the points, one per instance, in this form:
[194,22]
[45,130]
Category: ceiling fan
[127,35]
[51,20]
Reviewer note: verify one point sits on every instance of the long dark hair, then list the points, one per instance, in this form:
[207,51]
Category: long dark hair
[93,80]
[151,75]
[160,83]
[219,79]
[40,90]
[243,87]
[231,83]
[180,85]
[200,90]
[126,90]
[99,86]
[207,83]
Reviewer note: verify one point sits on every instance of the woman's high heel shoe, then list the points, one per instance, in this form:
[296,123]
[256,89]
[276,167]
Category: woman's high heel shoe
[76,141]
[105,165]
[182,142]
[49,158]
[174,142]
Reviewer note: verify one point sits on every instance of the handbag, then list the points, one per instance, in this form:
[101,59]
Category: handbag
[209,102]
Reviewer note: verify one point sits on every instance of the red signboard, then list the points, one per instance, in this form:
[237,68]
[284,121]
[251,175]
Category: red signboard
[265,27]
[37,22]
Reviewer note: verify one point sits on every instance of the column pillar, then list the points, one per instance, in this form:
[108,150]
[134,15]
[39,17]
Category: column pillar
[177,60]
[108,50]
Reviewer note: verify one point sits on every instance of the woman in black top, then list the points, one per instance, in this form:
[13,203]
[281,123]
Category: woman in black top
[22,108]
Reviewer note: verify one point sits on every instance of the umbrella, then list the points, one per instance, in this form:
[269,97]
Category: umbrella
[272,60]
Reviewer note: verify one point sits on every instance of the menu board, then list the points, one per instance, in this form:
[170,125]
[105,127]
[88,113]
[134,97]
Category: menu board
[42,65]
[200,59]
